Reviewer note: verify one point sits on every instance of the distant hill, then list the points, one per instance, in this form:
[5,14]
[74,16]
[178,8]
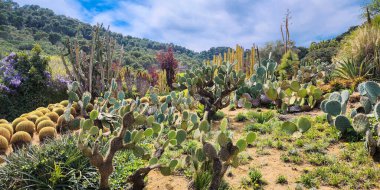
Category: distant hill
[21,27]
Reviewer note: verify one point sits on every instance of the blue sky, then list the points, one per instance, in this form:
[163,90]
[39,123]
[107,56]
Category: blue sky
[201,24]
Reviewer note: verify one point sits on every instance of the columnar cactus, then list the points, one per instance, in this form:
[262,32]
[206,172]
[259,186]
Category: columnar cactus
[212,85]
[93,70]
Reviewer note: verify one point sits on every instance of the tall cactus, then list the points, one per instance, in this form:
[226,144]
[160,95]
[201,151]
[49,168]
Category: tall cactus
[92,70]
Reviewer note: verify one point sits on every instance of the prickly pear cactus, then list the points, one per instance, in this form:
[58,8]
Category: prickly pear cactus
[342,123]
[212,85]
[361,123]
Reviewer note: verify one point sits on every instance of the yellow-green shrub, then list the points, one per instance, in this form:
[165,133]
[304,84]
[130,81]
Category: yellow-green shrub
[47,132]
[26,126]
[45,123]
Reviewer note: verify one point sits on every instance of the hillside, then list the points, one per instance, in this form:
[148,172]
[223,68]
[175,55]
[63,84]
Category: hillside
[21,27]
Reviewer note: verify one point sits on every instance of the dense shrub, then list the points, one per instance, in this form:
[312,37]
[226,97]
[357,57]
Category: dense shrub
[26,83]
[58,164]
[362,46]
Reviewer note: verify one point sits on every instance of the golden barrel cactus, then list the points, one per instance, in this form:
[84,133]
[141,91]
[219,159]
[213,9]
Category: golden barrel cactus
[20,139]
[53,116]
[5,133]
[8,127]
[47,133]
[45,123]
[26,126]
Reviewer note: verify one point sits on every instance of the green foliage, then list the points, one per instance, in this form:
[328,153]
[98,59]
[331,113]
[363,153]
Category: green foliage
[289,65]
[57,164]
[260,116]
[281,179]
[240,117]
[255,179]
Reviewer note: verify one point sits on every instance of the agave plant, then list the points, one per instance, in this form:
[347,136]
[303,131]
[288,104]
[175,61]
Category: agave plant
[351,68]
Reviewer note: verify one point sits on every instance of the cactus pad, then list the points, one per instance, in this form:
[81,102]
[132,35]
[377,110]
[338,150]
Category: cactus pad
[303,124]
[342,123]
[361,123]
[289,127]
[333,107]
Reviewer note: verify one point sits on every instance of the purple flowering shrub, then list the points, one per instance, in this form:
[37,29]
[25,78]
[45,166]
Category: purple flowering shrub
[26,83]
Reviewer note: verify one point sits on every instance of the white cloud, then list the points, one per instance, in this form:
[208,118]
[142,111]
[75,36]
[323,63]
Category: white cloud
[201,24]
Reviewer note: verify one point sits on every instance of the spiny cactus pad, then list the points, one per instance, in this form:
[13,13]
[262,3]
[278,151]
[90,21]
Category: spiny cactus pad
[376,111]
[366,103]
[342,123]
[289,127]
[303,124]
[361,123]
[333,107]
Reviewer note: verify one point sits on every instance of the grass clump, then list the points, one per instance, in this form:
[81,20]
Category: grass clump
[255,180]
[240,117]
[281,179]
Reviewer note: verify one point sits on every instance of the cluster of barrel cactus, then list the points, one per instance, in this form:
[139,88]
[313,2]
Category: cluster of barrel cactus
[220,155]
[46,122]
[212,85]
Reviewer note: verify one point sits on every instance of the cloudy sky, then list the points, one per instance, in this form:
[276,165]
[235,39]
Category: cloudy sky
[201,24]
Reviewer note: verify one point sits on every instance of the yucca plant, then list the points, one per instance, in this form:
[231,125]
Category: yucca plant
[351,68]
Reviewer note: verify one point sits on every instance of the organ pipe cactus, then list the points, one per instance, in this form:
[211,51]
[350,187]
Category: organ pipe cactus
[93,69]
[212,85]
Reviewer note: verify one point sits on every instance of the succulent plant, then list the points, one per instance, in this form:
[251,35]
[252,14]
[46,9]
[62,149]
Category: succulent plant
[366,103]
[342,123]
[42,118]
[221,154]
[5,133]
[45,123]
[376,111]
[212,85]
[59,111]
[53,116]
[8,127]
[47,133]
[20,139]
[3,145]
[3,121]
[303,125]
[17,121]
[26,126]
[361,123]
